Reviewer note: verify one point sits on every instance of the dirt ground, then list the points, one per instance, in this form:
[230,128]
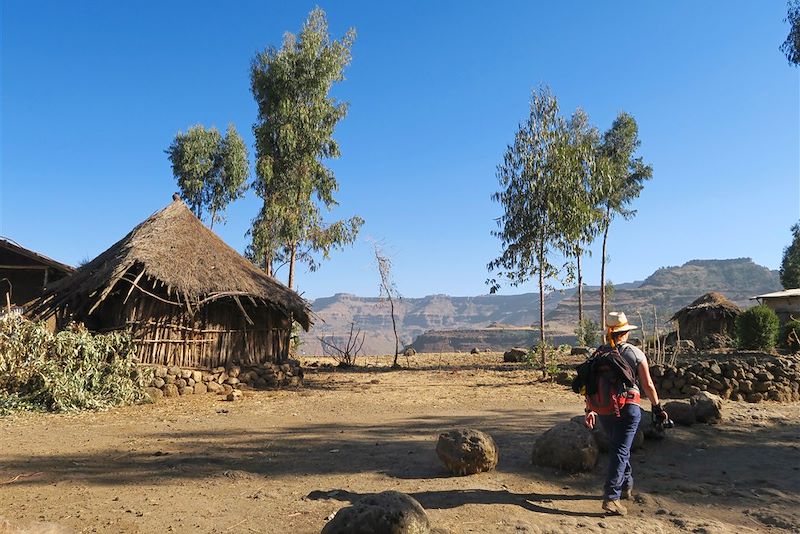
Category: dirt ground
[283,461]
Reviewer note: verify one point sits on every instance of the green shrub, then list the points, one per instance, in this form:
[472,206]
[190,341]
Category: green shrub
[70,370]
[790,335]
[757,328]
[553,355]
[587,333]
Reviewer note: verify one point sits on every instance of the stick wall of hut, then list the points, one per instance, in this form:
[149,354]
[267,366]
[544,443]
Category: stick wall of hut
[216,335]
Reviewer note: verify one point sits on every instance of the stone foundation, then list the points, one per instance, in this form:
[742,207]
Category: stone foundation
[173,381]
[751,377]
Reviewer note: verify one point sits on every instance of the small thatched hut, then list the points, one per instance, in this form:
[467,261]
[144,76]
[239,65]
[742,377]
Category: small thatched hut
[25,274]
[710,317]
[187,297]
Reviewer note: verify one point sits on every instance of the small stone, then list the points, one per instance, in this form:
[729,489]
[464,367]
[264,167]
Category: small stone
[171,390]
[186,373]
[154,393]
[234,371]
[197,376]
[200,388]
[234,395]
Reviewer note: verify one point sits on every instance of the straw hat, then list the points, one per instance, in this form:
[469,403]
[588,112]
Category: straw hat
[617,322]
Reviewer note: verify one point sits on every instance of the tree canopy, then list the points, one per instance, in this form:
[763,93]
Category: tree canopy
[791,46]
[211,170]
[790,265]
[294,136]
[533,192]
[620,182]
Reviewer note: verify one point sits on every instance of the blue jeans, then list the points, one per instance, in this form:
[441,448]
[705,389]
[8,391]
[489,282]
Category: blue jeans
[620,432]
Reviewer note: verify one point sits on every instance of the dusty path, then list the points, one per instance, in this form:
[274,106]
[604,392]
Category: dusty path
[284,461]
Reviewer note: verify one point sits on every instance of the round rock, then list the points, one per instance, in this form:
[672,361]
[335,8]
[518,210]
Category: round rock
[680,412]
[389,512]
[515,355]
[601,438]
[467,451]
[567,446]
[707,407]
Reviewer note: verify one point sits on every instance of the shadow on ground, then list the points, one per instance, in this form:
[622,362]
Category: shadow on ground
[534,502]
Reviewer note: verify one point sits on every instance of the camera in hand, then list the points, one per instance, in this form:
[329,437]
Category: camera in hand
[660,423]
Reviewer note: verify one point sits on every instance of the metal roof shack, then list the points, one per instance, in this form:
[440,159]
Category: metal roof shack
[785,303]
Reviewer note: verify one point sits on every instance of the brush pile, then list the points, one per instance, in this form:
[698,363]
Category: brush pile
[66,371]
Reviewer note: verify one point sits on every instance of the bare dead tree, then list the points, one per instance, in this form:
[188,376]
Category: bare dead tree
[388,292]
[346,352]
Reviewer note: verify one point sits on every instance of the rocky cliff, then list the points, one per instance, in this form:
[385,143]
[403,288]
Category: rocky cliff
[459,323]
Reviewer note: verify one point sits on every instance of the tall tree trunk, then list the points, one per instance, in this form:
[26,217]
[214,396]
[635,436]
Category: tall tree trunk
[213,215]
[291,265]
[603,277]
[541,319]
[293,254]
[580,289]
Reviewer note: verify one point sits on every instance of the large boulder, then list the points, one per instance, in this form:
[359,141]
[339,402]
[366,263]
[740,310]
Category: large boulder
[648,429]
[601,438]
[515,355]
[707,407]
[389,512]
[681,412]
[566,446]
[467,451]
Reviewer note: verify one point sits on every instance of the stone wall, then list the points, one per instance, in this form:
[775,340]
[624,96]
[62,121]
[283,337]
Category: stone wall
[172,381]
[751,377]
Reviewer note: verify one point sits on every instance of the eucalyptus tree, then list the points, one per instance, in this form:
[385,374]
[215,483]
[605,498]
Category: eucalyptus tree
[580,216]
[211,170]
[791,46]
[533,190]
[790,264]
[294,135]
[619,184]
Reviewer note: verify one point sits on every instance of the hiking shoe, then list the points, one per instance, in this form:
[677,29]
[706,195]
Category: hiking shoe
[627,492]
[614,507]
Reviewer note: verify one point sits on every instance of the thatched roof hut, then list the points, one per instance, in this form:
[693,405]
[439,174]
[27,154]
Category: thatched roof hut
[712,316]
[188,298]
[25,274]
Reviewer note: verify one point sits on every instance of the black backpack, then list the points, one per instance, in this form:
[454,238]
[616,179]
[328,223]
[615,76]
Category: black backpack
[604,379]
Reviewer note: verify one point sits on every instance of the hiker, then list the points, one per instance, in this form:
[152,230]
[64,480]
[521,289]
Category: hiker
[620,414]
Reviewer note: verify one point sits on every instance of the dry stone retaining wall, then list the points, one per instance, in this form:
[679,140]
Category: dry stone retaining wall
[751,377]
[172,381]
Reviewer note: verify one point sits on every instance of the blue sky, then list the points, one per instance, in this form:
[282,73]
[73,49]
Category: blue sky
[93,92]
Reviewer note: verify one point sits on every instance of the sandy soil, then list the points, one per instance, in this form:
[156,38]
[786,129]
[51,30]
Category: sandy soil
[284,461]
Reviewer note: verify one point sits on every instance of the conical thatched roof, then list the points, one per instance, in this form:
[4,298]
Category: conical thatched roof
[174,249]
[712,302]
